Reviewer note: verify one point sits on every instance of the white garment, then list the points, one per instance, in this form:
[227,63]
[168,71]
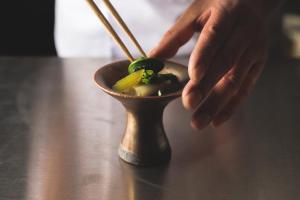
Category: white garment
[78,32]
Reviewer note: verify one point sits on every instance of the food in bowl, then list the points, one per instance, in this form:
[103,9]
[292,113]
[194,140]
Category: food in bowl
[148,77]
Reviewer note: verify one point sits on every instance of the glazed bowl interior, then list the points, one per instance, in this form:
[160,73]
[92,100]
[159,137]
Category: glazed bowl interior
[109,74]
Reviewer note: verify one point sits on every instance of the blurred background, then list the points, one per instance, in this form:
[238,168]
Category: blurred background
[27,29]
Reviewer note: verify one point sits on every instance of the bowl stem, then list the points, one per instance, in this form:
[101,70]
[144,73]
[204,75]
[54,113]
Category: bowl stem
[145,142]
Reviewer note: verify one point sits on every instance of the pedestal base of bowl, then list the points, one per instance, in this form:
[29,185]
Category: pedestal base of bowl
[155,160]
[144,142]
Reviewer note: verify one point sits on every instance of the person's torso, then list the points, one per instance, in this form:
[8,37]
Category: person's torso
[78,32]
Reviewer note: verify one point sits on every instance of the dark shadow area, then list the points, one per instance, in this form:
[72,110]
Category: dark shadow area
[27,28]
[292,6]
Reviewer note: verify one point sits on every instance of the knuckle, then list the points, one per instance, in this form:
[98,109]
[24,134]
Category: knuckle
[233,83]
[222,9]
[211,31]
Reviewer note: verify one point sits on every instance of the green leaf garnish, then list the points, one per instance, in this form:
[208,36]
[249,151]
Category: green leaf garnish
[147,64]
[148,77]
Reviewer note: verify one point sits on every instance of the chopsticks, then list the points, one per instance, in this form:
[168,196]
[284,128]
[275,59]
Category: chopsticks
[112,32]
[124,26]
[110,29]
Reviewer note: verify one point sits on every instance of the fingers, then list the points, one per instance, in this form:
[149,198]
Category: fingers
[211,39]
[228,110]
[196,92]
[223,92]
[178,35]
[231,89]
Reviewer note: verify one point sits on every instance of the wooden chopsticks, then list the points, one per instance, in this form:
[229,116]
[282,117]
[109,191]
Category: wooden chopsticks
[112,32]
[124,26]
[110,29]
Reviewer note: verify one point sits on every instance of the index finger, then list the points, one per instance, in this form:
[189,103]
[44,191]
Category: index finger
[172,40]
[179,34]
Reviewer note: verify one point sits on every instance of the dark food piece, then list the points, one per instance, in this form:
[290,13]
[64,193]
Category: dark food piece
[146,63]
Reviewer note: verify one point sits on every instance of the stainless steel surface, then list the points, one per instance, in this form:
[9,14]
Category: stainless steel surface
[59,138]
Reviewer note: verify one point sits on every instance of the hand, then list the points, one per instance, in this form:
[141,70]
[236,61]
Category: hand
[228,57]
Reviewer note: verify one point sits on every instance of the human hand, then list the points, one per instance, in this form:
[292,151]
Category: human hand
[228,57]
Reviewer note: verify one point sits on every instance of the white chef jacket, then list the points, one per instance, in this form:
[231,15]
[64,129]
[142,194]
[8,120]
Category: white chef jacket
[79,33]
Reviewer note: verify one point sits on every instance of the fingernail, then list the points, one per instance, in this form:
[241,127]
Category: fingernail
[201,121]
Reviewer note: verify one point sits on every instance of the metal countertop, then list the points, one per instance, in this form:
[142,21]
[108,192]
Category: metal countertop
[59,136]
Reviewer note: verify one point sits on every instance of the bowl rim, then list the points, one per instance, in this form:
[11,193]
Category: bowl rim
[126,96]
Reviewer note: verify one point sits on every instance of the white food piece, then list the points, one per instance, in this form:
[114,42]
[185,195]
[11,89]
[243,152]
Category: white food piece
[145,90]
[180,73]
